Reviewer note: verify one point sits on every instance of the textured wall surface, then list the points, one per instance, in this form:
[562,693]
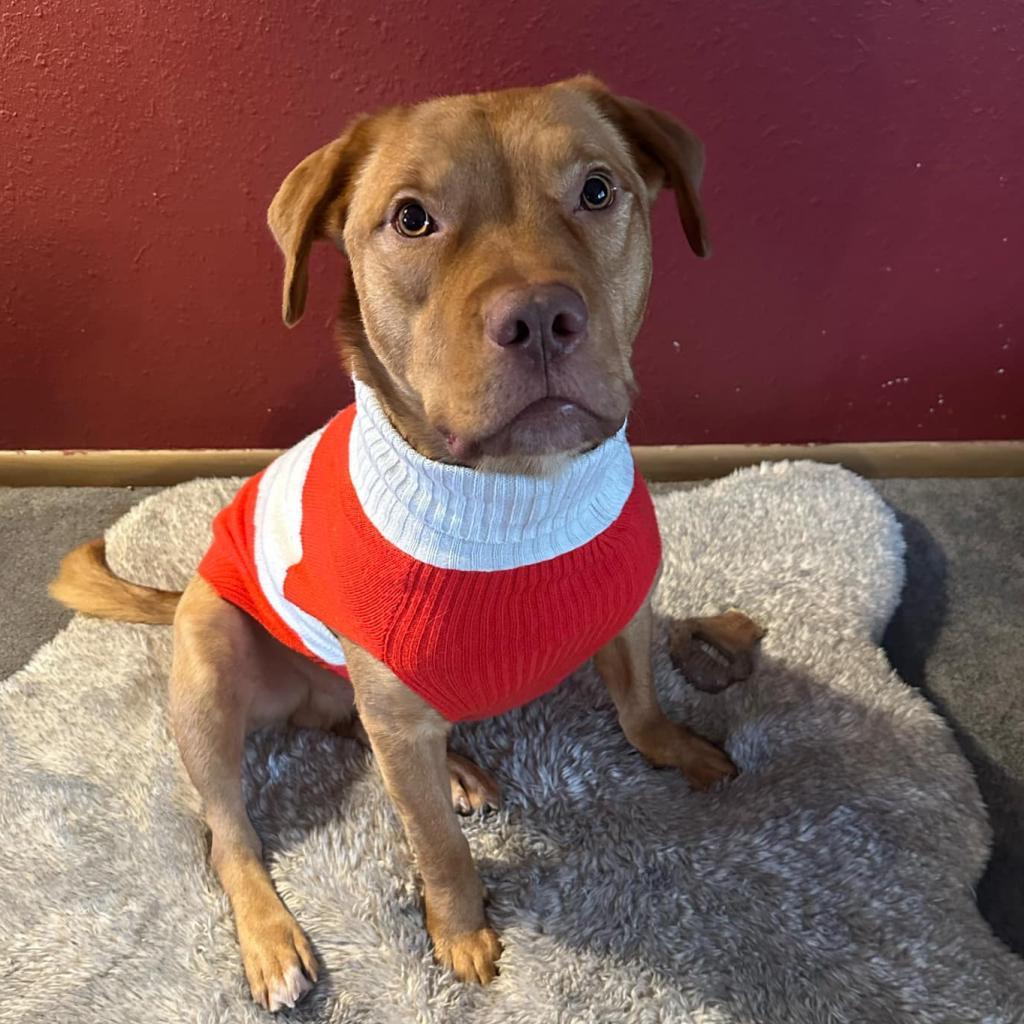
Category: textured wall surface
[864,193]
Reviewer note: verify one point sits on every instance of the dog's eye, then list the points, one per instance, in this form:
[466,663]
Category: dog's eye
[413,221]
[598,193]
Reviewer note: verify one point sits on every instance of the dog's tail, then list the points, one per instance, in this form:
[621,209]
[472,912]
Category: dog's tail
[85,583]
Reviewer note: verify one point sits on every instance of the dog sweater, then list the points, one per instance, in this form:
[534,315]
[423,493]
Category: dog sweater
[479,591]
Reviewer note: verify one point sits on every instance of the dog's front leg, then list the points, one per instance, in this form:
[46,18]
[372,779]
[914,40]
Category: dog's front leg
[218,659]
[409,740]
[625,666]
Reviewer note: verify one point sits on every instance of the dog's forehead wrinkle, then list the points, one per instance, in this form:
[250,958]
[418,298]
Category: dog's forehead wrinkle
[445,159]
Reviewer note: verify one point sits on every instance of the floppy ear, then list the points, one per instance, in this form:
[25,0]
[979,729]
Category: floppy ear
[666,152]
[297,213]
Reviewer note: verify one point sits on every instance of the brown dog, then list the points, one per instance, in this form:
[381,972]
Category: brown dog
[500,251]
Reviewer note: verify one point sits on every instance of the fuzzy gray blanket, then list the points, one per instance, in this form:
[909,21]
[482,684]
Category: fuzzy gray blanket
[831,882]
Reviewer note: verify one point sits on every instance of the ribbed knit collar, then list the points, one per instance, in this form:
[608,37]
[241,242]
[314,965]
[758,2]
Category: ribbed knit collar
[459,518]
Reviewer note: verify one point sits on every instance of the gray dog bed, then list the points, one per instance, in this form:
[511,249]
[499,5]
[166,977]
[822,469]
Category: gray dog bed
[831,882]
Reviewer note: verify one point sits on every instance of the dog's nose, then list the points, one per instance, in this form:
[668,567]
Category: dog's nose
[549,319]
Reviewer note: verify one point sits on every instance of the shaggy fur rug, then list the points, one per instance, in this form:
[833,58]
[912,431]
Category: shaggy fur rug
[831,882]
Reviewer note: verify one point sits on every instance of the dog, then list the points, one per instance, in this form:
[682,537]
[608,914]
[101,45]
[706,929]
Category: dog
[481,529]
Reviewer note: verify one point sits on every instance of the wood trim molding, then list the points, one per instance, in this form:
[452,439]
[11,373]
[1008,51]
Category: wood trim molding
[871,459]
[155,467]
[658,462]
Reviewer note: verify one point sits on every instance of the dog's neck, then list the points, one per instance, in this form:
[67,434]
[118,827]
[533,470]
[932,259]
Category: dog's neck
[426,443]
[464,518]
[525,465]
[405,412]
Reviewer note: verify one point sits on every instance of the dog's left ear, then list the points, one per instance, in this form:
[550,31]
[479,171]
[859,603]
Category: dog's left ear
[666,152]
[298,214]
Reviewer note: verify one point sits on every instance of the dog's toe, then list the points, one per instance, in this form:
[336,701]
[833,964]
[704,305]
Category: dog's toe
[288,989]
[716,651]
[279,963]
[704,764]
[473,789]
[473,956]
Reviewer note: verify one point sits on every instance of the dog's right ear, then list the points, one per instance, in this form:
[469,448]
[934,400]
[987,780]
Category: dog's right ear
[298,213]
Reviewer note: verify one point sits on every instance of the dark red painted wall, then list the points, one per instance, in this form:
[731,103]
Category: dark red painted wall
[864,191]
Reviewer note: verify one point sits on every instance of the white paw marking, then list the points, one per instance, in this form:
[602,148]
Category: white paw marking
[288,989]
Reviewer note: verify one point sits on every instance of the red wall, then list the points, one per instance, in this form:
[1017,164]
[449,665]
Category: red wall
[864,191]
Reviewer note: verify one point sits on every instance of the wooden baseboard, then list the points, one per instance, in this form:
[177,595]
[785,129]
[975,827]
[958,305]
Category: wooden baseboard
[156,467]
[872,459]
[661,462]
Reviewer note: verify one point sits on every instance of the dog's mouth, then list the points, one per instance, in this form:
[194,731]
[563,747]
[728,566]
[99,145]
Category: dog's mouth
[552,425]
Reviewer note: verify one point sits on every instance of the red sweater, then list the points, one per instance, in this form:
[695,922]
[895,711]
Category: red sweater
[480,592]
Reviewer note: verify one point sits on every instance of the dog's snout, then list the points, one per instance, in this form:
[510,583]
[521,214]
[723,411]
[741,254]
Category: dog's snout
[549,319]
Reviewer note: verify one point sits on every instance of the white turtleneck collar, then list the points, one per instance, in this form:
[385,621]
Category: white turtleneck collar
[459,518]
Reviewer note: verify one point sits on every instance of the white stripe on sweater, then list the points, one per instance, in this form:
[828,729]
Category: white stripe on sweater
[278,544]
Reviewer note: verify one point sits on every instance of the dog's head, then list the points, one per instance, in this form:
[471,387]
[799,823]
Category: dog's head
[500,249]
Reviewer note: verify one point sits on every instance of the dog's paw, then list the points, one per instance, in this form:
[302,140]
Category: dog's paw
[703,764]
[473,956]
[473,789]
[716,651]
[279,962]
